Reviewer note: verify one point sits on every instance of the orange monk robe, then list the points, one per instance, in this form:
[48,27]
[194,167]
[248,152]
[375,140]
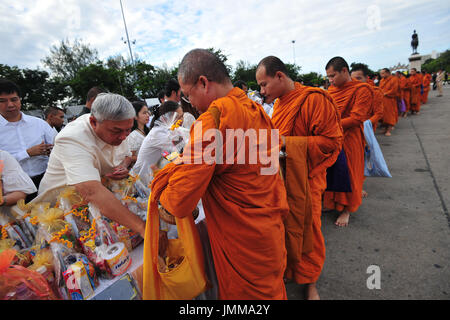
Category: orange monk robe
[370,81]
[310,112]
[390,88]
[426,87]
[352,100]
[415,81]
[377,110]
[244,209]
[405,87]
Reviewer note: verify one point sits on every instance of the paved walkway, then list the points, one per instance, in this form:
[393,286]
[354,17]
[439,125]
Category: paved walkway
[403,227]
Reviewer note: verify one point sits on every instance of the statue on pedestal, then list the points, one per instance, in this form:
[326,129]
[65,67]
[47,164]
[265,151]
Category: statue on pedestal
[415,42]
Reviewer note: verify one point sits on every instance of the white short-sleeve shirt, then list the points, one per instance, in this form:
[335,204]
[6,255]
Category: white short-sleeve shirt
[134,140]
[13,177]
[17,137]
[79,156]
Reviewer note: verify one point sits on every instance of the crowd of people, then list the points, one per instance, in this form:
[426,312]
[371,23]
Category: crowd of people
[264,229]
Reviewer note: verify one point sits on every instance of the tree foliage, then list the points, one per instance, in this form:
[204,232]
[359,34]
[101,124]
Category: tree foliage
[442,62]
[66,59]
[37,89]
[75,68]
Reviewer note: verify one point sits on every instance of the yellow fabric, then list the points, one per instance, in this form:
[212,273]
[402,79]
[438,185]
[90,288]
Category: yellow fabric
[188,279]
[298,224]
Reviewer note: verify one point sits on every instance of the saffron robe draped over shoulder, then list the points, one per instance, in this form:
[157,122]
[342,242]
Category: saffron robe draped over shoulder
[426,87]
[416,82]
[390,88]
[352,100]
[405,88]
[377,111]
[244,208]
[309,119]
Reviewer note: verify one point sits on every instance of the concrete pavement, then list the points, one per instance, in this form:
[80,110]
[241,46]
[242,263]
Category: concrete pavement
[403,227]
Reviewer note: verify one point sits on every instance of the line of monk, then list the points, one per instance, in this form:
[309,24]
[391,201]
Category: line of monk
[303,115]
[265,230]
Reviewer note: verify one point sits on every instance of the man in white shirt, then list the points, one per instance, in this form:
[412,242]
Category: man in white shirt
[91,147]
[26,138]
[55,118]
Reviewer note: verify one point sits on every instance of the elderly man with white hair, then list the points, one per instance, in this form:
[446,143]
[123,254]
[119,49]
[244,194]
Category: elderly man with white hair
[91,147]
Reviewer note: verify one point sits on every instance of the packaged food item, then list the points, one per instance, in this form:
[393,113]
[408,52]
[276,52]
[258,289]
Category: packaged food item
[97,239]
[22,213]
[80,277]
[117,258]
[10,229]
[19,283]
[75,210]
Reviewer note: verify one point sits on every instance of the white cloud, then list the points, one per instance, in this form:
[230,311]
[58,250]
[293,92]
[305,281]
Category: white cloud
[244,30]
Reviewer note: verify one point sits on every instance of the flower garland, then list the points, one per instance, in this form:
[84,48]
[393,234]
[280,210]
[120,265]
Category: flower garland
[176,125]
[91,234]
[4,231]
[130,198]
[57,237]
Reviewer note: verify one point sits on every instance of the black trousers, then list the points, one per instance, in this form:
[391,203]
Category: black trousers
[37,181]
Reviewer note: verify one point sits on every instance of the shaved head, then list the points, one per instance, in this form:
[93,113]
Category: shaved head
[338,64]
[272,65]
[201,62]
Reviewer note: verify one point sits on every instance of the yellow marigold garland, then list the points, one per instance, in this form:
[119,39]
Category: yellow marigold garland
[176,125]
[91,233]
[57,237]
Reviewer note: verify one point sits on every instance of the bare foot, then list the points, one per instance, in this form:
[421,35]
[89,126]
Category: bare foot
[342,220]
[387,134]
[311,292]
[365,194]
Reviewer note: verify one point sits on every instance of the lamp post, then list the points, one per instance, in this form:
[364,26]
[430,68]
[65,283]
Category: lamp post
[293,48]
[128,41]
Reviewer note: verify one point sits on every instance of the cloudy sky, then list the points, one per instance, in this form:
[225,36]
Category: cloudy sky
[374,32]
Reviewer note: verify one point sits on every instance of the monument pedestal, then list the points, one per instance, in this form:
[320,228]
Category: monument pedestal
[415,61]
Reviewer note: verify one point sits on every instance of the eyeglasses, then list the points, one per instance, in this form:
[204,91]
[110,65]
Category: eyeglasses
[186,95]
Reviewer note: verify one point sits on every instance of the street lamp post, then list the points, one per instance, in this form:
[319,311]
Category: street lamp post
[293,48]
[128,41]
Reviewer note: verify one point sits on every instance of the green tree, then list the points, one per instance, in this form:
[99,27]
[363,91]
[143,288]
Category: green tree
[293,71]
[97,74]
[222,57]
[312,79]
[442,62]
[37,90]
[246,72]
[67,58]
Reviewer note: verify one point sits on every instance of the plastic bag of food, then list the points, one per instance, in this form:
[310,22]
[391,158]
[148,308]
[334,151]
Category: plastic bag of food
[19,283]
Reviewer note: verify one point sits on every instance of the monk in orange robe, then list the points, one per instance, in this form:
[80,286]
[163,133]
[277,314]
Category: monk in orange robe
[244,203]
[360,72]
[302,112]
[405,87]
[426,86]
[416,82]
[403,91]
[352,98]
[389,84]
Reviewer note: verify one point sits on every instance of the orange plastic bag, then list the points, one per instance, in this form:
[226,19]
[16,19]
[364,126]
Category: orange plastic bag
[19,283]
[187,279]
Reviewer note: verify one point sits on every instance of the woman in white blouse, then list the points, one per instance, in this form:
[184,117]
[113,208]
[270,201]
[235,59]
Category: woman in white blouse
[157,141]
[139,130]
[16,184]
